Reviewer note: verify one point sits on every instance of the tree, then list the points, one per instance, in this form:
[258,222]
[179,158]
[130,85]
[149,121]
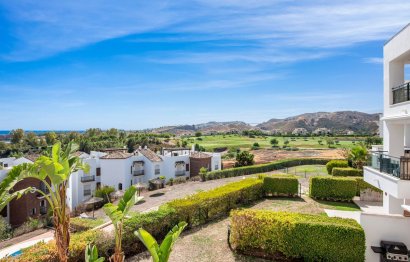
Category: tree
[330,142]
[54,172]
[51,138]
[285,143]
[244,158]
[198,134]
[160,253]
[358,156]
[32,139]
[17,135]
[202,173]
[117,214]
[274,142]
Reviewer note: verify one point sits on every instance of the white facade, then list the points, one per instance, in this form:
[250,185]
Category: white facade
[300,131]
[389,170]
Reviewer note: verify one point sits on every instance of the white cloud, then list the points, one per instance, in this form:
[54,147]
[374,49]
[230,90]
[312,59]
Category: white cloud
[373,60]
[42,29]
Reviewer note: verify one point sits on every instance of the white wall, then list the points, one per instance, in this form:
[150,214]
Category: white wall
[383,227]
[115,171]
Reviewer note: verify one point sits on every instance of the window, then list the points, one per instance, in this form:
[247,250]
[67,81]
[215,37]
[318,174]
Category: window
[98,171]
[42,203]
[120,186]
[216,166]
[131,170]
[98,185]
[157,170]
[6,165]
[33,211]
[187,167]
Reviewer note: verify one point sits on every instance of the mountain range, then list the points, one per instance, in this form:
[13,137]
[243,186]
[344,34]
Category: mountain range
[337,122]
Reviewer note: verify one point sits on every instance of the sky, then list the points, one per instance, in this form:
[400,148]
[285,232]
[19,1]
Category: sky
[72,65]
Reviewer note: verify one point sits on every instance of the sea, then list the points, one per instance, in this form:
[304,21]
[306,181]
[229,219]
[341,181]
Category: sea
[41,132]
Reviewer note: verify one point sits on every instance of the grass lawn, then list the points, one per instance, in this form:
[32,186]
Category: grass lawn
[343,206]
[244,142]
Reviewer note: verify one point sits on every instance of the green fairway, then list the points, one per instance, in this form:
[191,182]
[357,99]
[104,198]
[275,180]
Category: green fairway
[245,142]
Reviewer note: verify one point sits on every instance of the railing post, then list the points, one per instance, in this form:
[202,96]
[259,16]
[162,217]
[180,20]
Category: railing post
[408,92]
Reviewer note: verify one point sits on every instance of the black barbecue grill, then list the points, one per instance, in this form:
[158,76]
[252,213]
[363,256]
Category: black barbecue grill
[392,251]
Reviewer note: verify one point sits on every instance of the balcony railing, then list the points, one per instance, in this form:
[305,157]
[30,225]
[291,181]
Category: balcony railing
[180,173]
[87,178]
[87,192]
[394,166]
[138,172]
[401,93]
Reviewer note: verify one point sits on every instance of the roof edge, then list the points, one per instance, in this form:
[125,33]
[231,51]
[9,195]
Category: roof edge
[396,34]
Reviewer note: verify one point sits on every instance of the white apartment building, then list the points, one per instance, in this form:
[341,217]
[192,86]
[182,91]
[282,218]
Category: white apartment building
[389,169]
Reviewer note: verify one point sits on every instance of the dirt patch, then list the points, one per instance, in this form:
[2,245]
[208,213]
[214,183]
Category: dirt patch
[263,156]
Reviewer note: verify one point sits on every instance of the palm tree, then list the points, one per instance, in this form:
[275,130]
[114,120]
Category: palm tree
[117,214]
[53,172]
[160,253]
[358,156]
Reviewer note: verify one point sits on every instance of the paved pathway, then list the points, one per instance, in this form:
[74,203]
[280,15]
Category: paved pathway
[344,214]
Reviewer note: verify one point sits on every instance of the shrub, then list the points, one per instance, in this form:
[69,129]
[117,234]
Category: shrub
[255,169]
[293,235]
[104,192]
[346,171]
[335,163]
[204,206]
[30,225]
[158,223]
[5,229]
[48,251]
[333,188]
[281,184]
[78,224]
[244,158]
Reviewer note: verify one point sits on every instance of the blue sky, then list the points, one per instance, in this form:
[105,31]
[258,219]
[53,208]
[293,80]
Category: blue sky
[81,64]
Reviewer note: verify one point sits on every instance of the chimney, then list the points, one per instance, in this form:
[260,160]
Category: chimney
[193,148]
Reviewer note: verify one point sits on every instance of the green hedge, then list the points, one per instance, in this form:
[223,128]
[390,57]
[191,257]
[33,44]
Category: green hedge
[332,188]
[297,236]
[346,171]
[336,163]
[254,169]
[281,184]
[158,223]
[204,206]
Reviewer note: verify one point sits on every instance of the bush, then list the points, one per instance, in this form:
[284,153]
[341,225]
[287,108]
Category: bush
[5,229]
[335,163]
[78,224]
[48,251]
[158,223]
[30,225]
[104,192]
[293,235]
[346,171]
[281,184]
[333,188]
[204,206]
[255,169]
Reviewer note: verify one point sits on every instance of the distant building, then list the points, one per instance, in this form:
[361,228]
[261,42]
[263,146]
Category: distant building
[322,131]
[300,131]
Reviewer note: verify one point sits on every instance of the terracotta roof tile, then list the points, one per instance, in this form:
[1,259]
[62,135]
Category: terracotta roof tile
[117,155]
[150,155]
[199,155]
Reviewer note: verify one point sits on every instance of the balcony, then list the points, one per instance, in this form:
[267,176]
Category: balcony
[138,172]
[87,192]
[390,174]
[180,173]
[401,93]
[87,178]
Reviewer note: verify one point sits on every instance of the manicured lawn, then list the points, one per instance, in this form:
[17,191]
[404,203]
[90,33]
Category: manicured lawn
[339,206]
[245,142]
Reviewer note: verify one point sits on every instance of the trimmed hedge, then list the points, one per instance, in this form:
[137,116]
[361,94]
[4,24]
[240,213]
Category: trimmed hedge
[281,184]
[254,169]
[346,171]
[204,206]
[332,188]
[310,237]
[335,163]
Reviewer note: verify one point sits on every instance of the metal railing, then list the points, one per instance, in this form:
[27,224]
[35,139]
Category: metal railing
[87,178]
[394,166]
[138,172]
[401,93]
[87,192]
[157,171]
[180,173]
